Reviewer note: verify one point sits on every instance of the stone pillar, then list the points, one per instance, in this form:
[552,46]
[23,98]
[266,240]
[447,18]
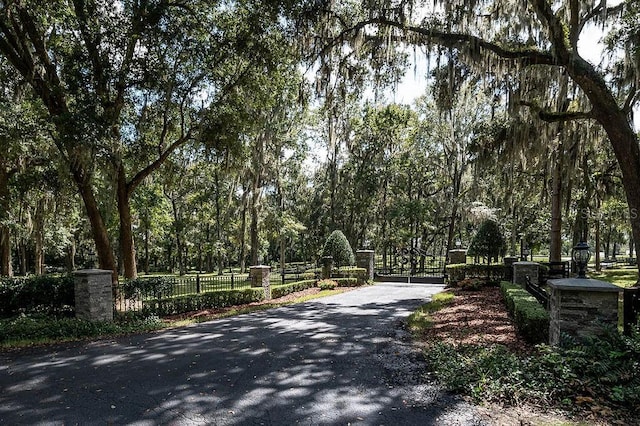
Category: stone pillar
[327,266]
[508,267]
[581,307]
[523,269]
[457,256]
[365,259]
[261,277]
[93,294]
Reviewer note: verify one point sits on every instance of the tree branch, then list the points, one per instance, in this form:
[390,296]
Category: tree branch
[599,9]
[554,117]
[92,43]
[631,100]
[451,40]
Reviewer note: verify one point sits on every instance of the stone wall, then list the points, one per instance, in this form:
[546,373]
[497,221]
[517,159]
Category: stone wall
[581,307]
[457,256]
[523,269]
[261,277]
[365,259]
[93,294]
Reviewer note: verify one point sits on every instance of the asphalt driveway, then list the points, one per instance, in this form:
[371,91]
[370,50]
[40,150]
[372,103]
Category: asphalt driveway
[339,360]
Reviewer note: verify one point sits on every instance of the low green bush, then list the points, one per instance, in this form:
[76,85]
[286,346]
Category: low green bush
[327,284]
[50,294]
[42,328]
[592,374]
[194,302]
[349,282]
[460,271]
[283,290]
[156,287]
[531,319]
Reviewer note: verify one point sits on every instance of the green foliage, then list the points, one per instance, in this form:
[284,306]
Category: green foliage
[349,282]
[420,319]
[488,241]
[41,328]
[460,271]
[471,284]
[338,246]
[531,319]
[327,284]
[194,302]
[359,274]
[45,293]
[599,372]
[156,287]
[283,290]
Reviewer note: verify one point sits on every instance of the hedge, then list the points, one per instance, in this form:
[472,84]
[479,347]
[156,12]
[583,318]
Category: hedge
[283,290]
[531,319]
[42,294]
[208,300]
[459,271]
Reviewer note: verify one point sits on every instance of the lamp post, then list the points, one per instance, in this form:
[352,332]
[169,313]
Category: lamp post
[581,256]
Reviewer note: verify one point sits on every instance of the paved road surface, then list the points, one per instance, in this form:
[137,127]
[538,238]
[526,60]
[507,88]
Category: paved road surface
[339,360]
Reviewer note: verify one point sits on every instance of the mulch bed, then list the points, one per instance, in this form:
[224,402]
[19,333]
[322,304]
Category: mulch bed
[478,318]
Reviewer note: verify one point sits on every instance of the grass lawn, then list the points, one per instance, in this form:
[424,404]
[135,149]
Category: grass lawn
[626,277]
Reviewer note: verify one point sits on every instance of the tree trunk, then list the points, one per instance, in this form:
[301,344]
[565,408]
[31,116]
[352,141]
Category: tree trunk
[38,237]
[6,268]
[106,260]
[555,249]
[243,232]
[178,229]
[127,246]
[147,235]
[253,228]
[598,242]
[623,139]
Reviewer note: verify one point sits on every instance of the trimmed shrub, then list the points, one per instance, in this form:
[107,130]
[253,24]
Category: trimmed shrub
[283,290]
[349,282]
[488,241]
[531,319]
[48,294]
[327,284]
[460,271]
[339,248]
[208,300]
[351,272]
[156,287]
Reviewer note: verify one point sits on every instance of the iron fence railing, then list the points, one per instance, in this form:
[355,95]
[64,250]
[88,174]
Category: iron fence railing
[130,295]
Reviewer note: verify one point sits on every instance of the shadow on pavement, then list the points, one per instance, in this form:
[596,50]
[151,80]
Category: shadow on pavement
[338,360]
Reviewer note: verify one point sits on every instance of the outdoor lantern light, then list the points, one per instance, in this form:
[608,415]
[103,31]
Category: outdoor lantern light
[458,243]
[581,256]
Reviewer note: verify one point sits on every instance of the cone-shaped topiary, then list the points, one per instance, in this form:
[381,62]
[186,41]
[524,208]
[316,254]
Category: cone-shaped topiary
[488,241]
[338,246]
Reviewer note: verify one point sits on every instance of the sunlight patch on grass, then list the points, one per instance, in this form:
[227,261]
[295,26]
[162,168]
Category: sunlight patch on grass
[620,277]
[420,319]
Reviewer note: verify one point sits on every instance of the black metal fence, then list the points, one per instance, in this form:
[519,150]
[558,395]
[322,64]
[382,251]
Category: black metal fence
[130,295]
[409,262]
